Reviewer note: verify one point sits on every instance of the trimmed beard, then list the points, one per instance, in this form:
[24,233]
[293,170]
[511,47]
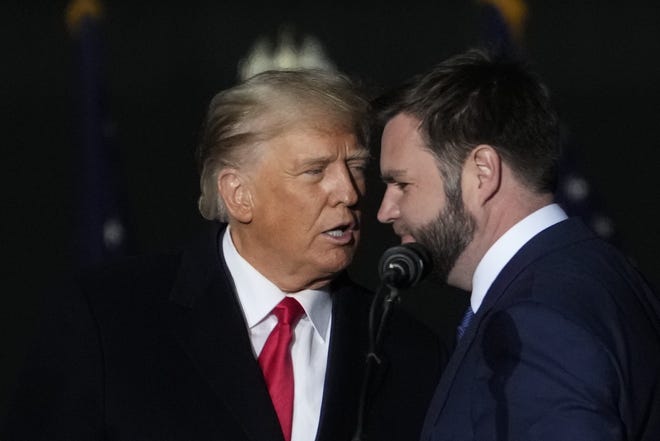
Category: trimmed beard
[447,236]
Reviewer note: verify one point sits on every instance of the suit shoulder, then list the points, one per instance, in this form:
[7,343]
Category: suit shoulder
[589,283]
[588,267]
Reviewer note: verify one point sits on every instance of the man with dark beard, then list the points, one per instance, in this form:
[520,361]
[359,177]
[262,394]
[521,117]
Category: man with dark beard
[562,337]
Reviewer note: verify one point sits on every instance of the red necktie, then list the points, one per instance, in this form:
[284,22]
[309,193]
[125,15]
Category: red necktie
[276,364]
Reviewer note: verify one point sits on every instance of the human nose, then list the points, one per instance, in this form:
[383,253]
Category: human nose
[389,210]
[348,188]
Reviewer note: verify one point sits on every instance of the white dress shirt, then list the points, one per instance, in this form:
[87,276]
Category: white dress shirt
[309,351]
[499,254]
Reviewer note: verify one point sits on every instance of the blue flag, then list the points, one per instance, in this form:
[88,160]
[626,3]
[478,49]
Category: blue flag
[101,230]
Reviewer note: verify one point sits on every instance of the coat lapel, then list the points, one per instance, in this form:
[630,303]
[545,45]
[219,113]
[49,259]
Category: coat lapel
[553,238]
[208,322]
[446,380]
[345,366]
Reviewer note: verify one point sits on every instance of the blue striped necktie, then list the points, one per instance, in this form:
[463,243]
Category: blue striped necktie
[465,322]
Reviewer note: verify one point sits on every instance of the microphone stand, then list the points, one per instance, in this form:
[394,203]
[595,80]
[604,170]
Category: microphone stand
[373,360]
[400,267]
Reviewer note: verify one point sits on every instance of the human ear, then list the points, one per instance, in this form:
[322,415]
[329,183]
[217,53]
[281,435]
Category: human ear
[236,194]
[486,164]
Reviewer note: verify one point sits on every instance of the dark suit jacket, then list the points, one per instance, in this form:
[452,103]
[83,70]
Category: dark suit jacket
[566,346]
[157,349]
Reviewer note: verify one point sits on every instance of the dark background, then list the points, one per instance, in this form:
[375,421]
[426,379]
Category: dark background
[165,60]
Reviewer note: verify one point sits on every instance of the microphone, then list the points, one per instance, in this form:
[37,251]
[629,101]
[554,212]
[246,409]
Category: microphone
[402,266]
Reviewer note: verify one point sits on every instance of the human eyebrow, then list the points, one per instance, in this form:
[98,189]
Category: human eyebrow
[360,155]
[315,162]
[392,176]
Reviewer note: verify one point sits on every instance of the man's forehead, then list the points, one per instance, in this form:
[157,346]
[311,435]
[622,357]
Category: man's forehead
[403,121]
[310,144]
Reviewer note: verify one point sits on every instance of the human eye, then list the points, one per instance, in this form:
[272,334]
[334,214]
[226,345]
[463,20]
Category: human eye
[358,167]
[397,184]
[314,171]
[314,168]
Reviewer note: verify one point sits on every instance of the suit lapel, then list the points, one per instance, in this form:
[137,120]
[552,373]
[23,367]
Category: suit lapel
[208,322]
[547,241]
[345,366]
[449,374]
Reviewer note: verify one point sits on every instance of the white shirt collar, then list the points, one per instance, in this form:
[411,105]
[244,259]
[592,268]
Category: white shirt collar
[258,295]
[499,254]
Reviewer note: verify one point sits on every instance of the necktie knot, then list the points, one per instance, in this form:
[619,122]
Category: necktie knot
[288,311]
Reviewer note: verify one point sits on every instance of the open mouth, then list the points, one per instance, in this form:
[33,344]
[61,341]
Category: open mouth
[343,233]
[338,232]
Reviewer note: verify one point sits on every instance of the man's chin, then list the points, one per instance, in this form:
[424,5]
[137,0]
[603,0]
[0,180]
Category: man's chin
[407,238]
[336,261]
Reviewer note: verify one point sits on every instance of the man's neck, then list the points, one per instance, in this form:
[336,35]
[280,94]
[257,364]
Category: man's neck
[494,220]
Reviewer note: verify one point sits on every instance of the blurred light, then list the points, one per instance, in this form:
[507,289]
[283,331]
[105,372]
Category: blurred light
[284,54]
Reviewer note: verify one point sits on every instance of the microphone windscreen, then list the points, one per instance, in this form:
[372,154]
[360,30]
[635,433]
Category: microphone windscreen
[403,266]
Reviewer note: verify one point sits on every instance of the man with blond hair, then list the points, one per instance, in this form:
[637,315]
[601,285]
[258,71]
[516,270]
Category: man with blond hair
[254,332]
